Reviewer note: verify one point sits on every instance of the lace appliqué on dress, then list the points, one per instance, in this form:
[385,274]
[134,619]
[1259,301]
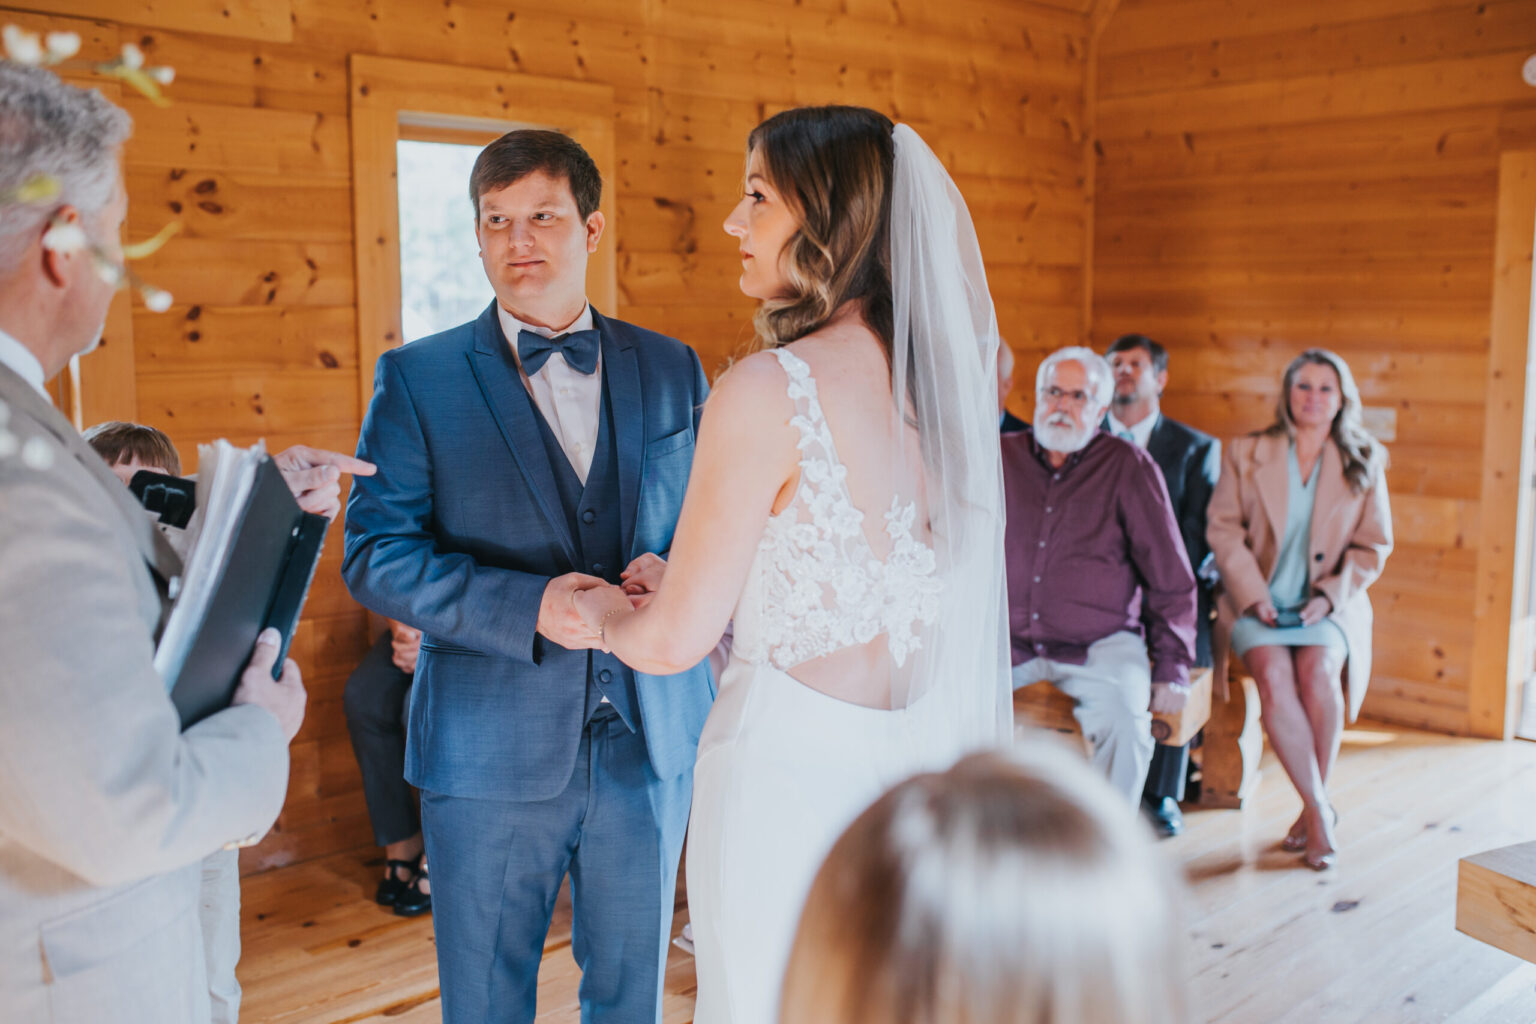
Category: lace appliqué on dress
[823,587]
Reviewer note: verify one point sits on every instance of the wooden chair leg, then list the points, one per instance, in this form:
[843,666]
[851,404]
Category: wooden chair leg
[1233,744]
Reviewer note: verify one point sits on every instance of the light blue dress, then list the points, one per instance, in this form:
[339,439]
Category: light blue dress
[1289,588]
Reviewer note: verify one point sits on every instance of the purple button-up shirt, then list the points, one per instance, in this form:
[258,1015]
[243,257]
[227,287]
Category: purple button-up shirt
[1093,550]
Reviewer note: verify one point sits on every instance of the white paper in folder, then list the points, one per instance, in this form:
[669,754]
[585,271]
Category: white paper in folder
[225,475]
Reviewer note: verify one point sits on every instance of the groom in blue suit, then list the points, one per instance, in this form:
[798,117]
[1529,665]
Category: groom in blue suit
[531,453]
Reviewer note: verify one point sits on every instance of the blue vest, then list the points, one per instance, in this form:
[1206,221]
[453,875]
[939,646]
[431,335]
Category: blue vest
[592,513]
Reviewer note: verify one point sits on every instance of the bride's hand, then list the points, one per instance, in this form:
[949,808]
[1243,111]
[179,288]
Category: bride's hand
[642,578]
[595,605]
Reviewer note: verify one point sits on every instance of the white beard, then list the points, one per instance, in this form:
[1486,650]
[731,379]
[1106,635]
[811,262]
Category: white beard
[1057,433]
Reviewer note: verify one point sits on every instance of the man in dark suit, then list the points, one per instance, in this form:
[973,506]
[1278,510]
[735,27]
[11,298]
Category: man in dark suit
[1190,461]
[1007,421]
[528,454]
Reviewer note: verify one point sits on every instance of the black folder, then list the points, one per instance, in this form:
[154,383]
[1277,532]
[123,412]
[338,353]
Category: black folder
[262,582]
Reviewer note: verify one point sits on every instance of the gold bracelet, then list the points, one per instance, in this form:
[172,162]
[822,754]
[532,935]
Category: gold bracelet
[602,627]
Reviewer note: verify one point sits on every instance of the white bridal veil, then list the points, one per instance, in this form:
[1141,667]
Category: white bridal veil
[945,363]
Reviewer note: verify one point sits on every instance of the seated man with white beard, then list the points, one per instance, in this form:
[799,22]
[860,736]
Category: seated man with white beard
[1101,599]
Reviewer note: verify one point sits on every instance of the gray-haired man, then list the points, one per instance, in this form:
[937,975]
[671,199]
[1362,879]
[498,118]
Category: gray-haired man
[110,810]
[1101,600]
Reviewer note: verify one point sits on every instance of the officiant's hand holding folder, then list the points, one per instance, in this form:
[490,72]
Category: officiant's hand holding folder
[253,556]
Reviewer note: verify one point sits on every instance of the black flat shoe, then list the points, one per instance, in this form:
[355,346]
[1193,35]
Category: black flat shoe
[1166,818]
[413,902]
[391,886]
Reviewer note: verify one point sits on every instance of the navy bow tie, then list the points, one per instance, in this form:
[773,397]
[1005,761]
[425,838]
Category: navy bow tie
[578,347]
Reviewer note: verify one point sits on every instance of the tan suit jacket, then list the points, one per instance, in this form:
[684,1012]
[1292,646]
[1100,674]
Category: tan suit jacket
[106,807]
[1351,538]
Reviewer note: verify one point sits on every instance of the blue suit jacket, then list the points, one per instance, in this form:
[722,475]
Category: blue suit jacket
[462,528]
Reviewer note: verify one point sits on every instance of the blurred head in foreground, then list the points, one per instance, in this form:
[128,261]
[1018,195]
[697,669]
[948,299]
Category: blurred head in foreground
[1008,890]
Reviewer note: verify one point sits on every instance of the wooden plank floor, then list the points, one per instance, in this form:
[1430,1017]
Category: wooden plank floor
[1267,940]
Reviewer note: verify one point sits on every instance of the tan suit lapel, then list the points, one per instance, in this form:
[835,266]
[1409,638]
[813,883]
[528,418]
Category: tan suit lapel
[24,400]
[1271,474]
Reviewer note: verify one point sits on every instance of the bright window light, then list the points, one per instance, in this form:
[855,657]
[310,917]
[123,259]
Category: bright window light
[442,283]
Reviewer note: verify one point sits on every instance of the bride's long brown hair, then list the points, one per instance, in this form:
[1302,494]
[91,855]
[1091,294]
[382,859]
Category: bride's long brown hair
[833,165]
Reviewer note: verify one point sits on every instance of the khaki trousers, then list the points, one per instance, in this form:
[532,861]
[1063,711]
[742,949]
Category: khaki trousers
[1112,689]
[219,913]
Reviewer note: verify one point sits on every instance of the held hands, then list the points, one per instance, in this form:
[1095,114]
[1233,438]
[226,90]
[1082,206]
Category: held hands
[576,605]
[314,476]
[283,697]
[596,607]
[642,578]
[559,620]
[1168,698]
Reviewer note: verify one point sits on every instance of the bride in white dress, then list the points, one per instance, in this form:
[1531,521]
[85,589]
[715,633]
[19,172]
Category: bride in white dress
[845,509]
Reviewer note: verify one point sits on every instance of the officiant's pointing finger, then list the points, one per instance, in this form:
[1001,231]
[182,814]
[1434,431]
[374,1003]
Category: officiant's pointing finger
[314,476]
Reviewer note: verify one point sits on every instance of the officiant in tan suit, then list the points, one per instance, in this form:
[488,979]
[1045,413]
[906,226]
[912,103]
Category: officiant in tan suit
[107,809]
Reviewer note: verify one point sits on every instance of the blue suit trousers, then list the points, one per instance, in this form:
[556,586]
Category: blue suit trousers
[496,865]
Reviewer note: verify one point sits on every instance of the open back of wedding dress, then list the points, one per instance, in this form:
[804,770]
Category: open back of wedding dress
[871,633]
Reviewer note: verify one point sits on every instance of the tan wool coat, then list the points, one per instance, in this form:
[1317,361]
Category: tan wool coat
[1351,538]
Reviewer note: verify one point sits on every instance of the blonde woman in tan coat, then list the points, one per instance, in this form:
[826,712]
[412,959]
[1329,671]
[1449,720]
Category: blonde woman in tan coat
[1300,527]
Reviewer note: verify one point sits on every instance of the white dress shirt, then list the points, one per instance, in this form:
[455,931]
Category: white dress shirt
[571,402]
[20,359]
[1141,433]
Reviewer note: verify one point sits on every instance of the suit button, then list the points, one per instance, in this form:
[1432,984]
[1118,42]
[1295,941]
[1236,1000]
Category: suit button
[589,517]
[598,567]
[605,676]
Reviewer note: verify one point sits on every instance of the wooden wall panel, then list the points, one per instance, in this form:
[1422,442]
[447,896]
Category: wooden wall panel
[253,156]
[1412,36]
[253,19]
[1276,176]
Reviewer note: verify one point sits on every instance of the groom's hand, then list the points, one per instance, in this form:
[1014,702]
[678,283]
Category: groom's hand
[559,622]
[642,578]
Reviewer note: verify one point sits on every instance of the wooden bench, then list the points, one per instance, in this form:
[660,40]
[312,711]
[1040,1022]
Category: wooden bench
[1233,744]
[1044,706]
[1229,752]
[1496,898]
